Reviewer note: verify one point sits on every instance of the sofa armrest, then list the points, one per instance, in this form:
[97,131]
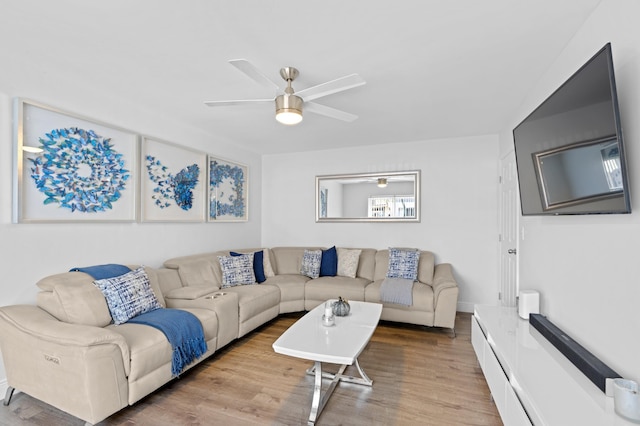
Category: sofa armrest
[445,296]
[190,292]
[37,323]
[79,369]
[443,278]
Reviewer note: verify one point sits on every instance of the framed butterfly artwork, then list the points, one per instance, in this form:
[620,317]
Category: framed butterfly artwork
[70,168]
[228,192]
[173,182]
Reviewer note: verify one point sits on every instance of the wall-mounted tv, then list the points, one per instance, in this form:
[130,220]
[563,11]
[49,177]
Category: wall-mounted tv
[570,152]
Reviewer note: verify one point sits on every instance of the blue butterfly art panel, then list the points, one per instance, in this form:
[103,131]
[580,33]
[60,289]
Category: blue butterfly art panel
[73,169]
[228,191]
[173,182]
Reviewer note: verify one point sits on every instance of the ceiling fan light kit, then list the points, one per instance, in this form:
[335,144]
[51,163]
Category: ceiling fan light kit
[382,182]
[288,105]
[289,109]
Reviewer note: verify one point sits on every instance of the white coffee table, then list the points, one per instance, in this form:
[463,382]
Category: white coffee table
[341,344]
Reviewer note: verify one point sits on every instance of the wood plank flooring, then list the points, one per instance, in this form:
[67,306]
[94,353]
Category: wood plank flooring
[421,376]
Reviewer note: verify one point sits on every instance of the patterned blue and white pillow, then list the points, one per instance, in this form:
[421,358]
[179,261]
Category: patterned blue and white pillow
[128,295]
[403,263]
[311,260]
[237,270]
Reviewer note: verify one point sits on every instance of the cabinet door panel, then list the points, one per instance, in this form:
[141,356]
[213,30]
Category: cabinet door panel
[515,414]
[477,340]
[495,378]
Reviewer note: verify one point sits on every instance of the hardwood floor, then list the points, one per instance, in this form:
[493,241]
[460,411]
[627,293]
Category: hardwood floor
[421,376]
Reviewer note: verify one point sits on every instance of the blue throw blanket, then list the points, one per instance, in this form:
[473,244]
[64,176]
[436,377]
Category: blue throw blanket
[100,272]
[184,332]
[397,290]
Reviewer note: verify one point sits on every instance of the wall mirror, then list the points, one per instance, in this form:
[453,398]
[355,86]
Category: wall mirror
[579,173]
[369,197]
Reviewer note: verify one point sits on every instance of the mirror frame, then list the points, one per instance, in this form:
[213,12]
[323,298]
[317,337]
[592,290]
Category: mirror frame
[416,190]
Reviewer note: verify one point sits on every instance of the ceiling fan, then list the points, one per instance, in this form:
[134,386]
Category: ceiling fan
[289,105]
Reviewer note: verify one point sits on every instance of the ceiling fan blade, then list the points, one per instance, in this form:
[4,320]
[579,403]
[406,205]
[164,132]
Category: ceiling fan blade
[329,112]
[331,87]
[253,73]
[238,102]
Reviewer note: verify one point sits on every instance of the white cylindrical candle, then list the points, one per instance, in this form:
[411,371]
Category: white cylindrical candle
[328,310]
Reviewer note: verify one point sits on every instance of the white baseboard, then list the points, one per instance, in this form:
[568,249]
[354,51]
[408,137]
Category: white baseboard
[3,387]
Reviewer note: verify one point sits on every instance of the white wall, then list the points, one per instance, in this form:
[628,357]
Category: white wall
[29,252]
[586,267]
[459,205]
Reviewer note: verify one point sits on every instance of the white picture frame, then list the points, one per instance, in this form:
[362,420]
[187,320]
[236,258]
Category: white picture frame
[228,191]
[172,183]
[86,170]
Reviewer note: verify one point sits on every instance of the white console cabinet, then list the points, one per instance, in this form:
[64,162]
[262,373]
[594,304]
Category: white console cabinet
[531,382]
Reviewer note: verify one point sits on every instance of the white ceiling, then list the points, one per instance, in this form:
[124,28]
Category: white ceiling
[433,68]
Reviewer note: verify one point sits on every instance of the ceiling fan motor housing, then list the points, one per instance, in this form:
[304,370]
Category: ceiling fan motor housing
[289,105]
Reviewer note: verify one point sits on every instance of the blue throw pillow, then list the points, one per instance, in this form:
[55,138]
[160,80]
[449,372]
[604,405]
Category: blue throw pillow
[329,262]
[258,265]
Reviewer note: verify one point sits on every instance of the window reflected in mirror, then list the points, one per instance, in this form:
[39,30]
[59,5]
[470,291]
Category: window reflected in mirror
[368,197]
[579,173]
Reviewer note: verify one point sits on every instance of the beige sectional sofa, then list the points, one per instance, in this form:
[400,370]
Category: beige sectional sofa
[66,352]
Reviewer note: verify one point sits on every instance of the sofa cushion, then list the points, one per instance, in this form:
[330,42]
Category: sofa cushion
[197,273]
[237,270]
[253,300]
[325,288]
[291,286]
[329,262]
[128,295]
[149,348]
[403,263]
[311,260]
[71,297]
[287,260]
[348,262]
[268,268]
[422,297]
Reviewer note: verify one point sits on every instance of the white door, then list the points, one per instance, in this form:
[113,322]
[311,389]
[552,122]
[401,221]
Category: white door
[509,211]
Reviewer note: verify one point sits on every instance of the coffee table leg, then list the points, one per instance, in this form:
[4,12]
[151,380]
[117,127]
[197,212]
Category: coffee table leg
[365,380]
[317,392]
[319,400]
[362,380]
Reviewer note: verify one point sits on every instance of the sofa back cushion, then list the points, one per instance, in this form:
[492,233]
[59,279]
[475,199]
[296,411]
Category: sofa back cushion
[426,266]
[204,269]
[198,269]
[71,297]
[367,263]
[200,273]
[288,260]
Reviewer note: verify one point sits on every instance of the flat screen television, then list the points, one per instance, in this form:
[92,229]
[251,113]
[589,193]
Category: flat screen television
[569,151]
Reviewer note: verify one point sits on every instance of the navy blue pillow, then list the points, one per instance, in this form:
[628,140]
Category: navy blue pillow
[329,262]
[258,266]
